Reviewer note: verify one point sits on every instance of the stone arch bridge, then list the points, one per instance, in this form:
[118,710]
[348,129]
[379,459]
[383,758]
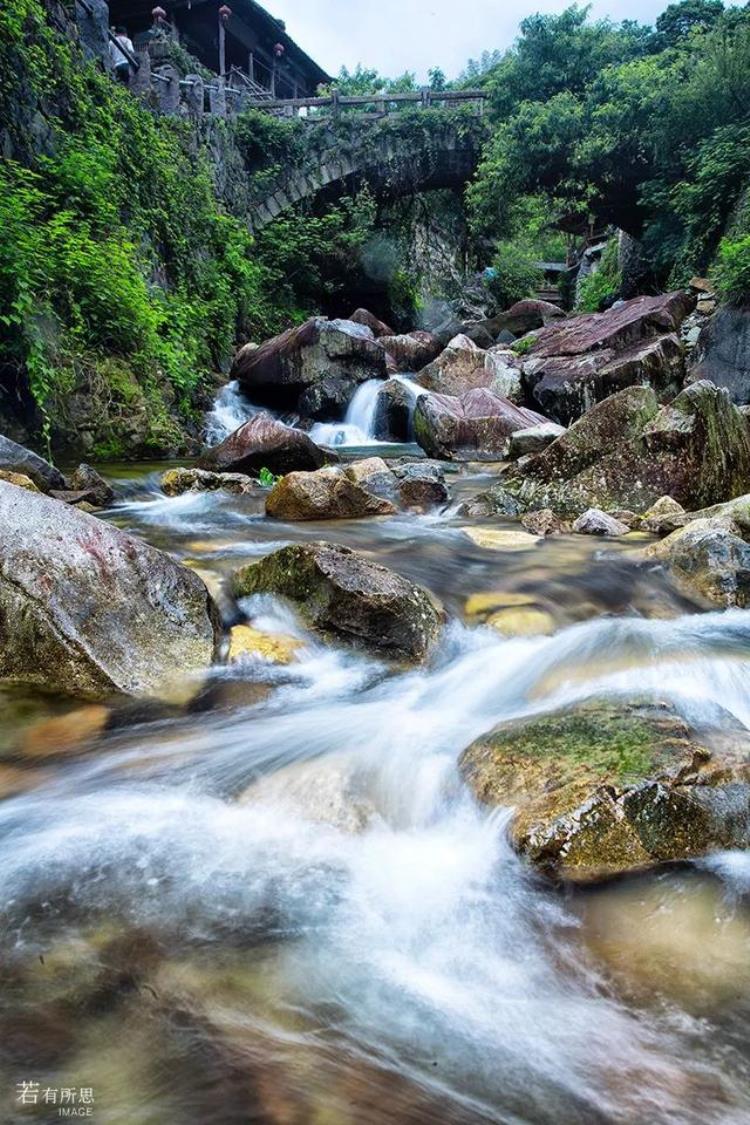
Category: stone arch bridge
[424,148]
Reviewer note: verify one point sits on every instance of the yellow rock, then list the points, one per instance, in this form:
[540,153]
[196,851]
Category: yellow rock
[499,539]
[522,621]
[478,604]
[244,640]
[64,733]
[19,479]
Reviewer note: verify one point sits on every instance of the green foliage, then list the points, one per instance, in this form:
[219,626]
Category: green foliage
[600,287]
[524,345]
[619,125]
[267,479]
[731,273]
[516,274]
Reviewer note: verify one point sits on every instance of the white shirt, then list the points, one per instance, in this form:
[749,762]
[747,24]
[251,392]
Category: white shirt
[119,57]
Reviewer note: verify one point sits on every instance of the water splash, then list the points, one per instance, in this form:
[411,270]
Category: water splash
[230,411]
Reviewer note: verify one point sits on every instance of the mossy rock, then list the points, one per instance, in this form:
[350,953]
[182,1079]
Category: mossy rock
[609,786]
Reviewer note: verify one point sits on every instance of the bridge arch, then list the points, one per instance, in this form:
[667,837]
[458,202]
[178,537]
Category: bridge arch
[408,153]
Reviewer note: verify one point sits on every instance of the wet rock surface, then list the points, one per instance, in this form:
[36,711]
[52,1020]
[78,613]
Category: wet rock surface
[264,443]
[86,610]
[476,425]
[341,592]
[610,786]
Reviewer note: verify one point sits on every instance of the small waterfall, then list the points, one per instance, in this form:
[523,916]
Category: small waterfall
[359,422]
[229,411]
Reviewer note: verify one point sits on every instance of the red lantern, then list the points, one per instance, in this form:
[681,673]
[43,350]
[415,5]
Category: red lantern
[158,15]
[278,50]
[224,13]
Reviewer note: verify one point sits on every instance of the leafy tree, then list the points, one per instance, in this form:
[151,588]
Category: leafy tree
[681,19]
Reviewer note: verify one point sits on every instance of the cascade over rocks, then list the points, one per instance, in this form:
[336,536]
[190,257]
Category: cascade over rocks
[609,786]
[722,354]
[264,442]
[393,412]
[16,458]
[86,610]
[312,369]
[341,592]
[474,426]
[576,362]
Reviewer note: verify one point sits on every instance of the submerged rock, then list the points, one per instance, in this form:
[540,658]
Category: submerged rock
[339,591]
[610,786]
[328,494]
[596,522]
[86,479]
[16,458]
[477,425]
[312,369]
[87,610]
[708,558]
[177,481]
[264,443]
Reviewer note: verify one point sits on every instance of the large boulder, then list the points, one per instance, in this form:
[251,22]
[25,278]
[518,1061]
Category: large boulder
[611,786]
[522,317]
[459,368]
[413,350]
[329,494]
[475,426]
[394,412]
[339,591]
[708,559]
[264,443]
[16,458]
[722,354]
[576,362]
[87,610]
[627,452]
[312,369]
[369,320]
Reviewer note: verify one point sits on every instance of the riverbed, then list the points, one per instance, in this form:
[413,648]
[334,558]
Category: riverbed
[269,897]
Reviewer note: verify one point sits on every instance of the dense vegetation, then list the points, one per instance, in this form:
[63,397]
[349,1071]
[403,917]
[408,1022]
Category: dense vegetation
[643,129]
[125,281]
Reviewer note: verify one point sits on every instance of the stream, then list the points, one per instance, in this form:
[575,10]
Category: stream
[270,898]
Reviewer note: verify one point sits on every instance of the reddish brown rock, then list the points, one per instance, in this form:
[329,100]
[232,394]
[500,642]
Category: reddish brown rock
[577,362]
[474,426]
[525,316]
[312,369]
[264,443]
[459,368]
[369,320]
[412,351]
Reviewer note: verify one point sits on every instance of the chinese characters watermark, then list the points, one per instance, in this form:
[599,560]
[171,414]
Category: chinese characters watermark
[70,1101]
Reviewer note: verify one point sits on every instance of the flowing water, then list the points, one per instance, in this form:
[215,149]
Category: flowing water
[359,426]
[271,898]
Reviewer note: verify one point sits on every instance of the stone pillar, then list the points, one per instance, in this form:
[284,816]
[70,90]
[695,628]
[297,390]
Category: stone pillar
[195,95]
[217,97]
[167,92]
